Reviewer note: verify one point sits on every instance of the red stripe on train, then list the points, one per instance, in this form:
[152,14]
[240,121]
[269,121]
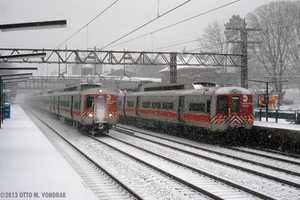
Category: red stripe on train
[191,117]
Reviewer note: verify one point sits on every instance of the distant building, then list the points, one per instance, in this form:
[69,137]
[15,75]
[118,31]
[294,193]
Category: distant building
[150,71]
[191,74]
[84,70]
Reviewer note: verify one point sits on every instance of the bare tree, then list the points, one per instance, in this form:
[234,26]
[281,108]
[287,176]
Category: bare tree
[295,44]
[213,39]
[276,38]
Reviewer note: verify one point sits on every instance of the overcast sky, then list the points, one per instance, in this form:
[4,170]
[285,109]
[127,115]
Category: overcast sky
[121,18]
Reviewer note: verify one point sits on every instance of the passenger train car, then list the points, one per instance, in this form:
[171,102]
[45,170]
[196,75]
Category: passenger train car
[89,106]
[215,109]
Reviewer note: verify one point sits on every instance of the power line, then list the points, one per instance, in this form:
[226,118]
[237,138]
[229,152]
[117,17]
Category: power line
[145,24]
[179,22]
[93,19]
[177,44]
[187,42]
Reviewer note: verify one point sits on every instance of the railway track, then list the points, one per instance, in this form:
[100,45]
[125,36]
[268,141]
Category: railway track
[103,184]
[151,175]
[257,181]
[278,162]
[198,181]
[276,155]
[144,181]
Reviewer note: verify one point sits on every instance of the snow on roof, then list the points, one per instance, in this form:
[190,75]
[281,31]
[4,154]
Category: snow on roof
[238,90]
[182,67]
[156,80]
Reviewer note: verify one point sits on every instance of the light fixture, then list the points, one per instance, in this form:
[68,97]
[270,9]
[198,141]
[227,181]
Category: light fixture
[20,56]
[18,68]
[33,25]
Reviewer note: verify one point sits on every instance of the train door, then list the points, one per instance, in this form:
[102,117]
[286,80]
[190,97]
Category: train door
[123,106]
[100,107]
[235,104]
[137,105]
[222,104]
[58,105]
[72,105]
[180,108]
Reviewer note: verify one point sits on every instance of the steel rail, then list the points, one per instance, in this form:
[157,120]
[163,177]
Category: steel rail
[222,162]
[260,195]
[223,154]
[89,159]
[203,191]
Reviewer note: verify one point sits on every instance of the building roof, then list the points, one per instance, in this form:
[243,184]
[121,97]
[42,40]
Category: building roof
[183,67]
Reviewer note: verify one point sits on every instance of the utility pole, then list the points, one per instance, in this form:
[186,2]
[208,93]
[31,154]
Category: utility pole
[173,67]
[244,50]
[1,101]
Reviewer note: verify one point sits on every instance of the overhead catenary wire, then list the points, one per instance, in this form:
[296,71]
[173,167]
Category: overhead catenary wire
[177,44]
[89,22]
[177,23]
[146,23]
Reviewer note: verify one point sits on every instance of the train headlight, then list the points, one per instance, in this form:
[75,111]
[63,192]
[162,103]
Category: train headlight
[110,115]
[90,115]
[245,98]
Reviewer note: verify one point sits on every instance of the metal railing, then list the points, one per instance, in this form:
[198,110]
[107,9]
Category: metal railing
[289,115]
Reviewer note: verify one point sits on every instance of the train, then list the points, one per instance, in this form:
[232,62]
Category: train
[204,106]
[90,107]
[200,106]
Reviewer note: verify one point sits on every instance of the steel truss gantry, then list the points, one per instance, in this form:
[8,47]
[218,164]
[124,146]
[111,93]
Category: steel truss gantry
[75,56]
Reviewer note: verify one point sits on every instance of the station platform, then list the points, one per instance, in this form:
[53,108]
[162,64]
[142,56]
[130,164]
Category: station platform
[31,166]
[281,124]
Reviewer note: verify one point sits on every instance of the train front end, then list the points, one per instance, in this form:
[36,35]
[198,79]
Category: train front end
[100,111]
[234,109]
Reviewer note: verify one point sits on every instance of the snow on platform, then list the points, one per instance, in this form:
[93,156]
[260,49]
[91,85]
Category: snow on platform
[282,124]
[29,163]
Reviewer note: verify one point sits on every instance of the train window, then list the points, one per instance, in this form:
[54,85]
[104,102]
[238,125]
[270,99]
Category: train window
[197,107]
[235,104]
[76,104]
[167,106]
[222,104]
[89,101]
[146,104]
[208,106]
[156,105]
[119,103]
[68,102]
[130,103]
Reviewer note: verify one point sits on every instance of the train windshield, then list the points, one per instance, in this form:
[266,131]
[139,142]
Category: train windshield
[235,104]
[89,101]
[100,107]
[222,104]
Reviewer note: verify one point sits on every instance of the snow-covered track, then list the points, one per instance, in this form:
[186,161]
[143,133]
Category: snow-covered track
[141,181]
[277,162]
[250,181]
[116,182]
[276,155]
[198,181]
[101,183]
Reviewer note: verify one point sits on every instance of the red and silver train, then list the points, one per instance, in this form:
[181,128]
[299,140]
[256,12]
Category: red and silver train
[89,106]
[203,106]
[215,109]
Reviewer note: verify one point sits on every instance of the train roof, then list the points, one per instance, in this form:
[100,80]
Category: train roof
[82,92]
[201,91]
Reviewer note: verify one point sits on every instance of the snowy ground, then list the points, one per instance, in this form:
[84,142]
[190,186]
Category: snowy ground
[282,124]
[31,167]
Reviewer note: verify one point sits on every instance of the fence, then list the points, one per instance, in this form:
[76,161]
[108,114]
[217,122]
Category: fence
[289,115]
